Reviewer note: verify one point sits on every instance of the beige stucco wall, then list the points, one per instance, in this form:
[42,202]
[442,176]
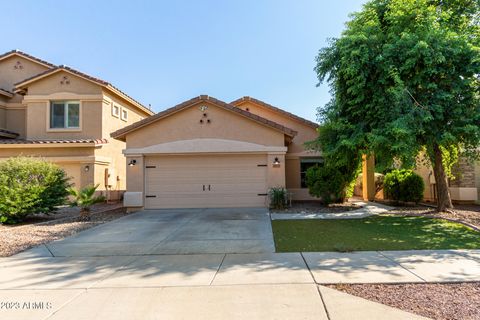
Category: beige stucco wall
[425,172]
[15,119]
[9,75]
[3,116]
[186,125]
[296,148]
[56,83]
[38,126]
[12,112]
[305,132]
[114,148]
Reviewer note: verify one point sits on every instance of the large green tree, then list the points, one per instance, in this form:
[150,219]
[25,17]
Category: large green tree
[404,77]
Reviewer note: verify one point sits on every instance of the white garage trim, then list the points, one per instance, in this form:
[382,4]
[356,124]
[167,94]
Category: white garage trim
[205,146]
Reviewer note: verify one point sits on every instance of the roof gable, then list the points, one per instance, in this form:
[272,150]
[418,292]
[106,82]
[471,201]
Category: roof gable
[26,56]
[104,84]
[120,134]
[277,110]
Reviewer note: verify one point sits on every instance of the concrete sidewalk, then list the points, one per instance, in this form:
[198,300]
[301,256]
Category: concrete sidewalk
[218,286]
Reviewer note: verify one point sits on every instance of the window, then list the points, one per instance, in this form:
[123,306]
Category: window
[124,114]
[306,163]
[115,111]
[65,115]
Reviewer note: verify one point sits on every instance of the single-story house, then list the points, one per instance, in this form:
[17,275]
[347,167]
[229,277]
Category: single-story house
[208,153]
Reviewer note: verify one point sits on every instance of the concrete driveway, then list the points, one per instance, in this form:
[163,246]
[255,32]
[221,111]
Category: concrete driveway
[177,231]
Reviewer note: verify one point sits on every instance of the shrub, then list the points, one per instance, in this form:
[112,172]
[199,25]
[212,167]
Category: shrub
[85,198]
[330,183]
[404,185]
[29,186]
[278,197]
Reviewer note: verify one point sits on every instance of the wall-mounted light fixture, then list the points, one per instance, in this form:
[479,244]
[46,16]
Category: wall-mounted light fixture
[87,168]
[132,162]
[276,162]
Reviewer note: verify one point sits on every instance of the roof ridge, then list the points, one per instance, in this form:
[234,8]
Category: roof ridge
[28,56]
[277,109]
[191,101]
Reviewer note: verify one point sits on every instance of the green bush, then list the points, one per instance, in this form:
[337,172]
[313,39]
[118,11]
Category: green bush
[329,183]
[278,197]
[85,198]
[403,185]
[29,186]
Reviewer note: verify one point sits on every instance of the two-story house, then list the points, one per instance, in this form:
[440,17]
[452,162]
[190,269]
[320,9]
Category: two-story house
[65,116]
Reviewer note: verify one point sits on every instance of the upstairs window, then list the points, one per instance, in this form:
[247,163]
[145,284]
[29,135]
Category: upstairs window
[65,115]
[306,163]
[124,114]
[116,110]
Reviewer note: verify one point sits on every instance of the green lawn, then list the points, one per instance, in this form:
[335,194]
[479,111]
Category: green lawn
[373,233]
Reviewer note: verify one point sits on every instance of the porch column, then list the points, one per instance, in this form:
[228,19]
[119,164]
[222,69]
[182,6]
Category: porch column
[368,176]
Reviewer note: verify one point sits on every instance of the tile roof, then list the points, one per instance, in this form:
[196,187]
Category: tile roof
[58,141]
[121,133]
[6,93]
[276,109]
[101,82]
[26,55]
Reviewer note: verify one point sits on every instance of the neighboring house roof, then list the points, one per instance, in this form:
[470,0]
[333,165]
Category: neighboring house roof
[4,133]
[50,142]
[6,93]
[26,56]
[275,109]
[120,134]
[20,85]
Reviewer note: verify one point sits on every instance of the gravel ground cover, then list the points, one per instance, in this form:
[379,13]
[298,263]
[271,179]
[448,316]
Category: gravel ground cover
[436,301]
[312,207]
[468,213]
[43,229]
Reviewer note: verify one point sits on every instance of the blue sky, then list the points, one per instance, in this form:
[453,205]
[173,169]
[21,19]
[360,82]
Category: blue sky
[165,52]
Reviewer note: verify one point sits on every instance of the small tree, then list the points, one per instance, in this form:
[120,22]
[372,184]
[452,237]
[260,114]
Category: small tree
[30,186]
[85,198]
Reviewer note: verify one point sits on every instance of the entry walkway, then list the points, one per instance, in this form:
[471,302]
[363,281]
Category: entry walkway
[367,209]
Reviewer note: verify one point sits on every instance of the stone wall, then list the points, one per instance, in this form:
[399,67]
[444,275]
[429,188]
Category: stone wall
[464,172]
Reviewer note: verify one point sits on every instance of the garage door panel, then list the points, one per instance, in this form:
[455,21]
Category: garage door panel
[178,181]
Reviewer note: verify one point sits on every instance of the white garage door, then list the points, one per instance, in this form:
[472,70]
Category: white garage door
[205,181]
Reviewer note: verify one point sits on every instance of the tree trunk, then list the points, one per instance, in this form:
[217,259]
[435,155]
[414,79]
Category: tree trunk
[444,200]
